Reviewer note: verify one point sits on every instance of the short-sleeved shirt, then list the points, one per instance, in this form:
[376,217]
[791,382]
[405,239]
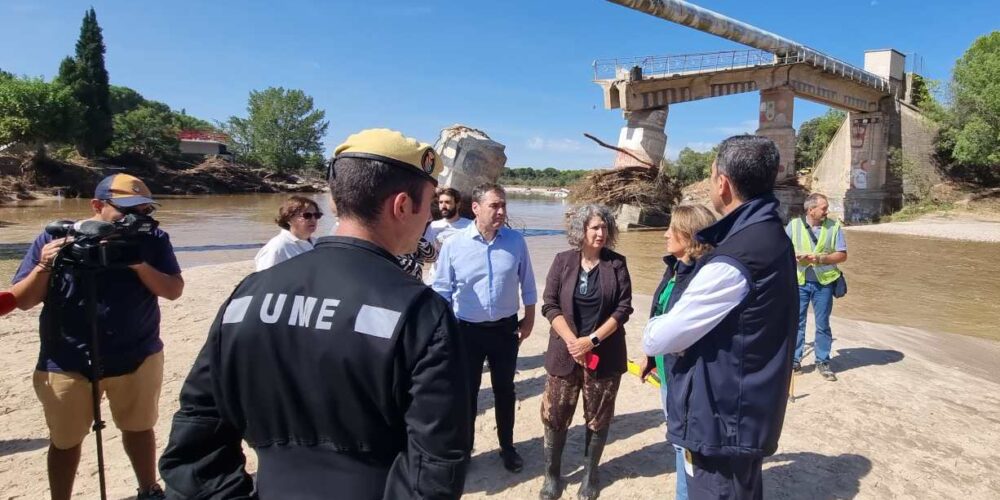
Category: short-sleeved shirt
[840,245]
[128,314]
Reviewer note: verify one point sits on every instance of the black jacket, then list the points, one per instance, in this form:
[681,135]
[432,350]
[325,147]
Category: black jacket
[342,372]
[729,390]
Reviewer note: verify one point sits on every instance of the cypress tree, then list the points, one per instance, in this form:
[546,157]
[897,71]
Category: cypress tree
[88,77]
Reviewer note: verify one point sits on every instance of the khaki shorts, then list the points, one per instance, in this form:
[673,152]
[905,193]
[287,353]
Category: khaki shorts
[69,410]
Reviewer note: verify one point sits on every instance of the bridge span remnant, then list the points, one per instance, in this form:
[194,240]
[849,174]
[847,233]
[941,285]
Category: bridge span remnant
[780,70]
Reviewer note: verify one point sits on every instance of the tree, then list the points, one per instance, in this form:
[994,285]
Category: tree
[88,78]
[976,101]
[282,130]
[123,99]
[34,112]
[814,136]
[692,166]
[184,121]
[148,131]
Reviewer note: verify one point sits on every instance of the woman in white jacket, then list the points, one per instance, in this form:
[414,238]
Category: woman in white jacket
[297,218]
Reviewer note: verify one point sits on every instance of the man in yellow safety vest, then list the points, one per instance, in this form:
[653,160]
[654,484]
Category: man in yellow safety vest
[819,247]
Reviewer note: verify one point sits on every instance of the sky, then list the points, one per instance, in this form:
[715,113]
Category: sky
[520,70]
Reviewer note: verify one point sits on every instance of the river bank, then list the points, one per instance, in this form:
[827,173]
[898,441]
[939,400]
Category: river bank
[24,179]
[948,225]
[914,414]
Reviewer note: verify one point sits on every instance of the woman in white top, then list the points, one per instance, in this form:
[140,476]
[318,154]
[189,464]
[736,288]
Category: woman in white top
[297,218]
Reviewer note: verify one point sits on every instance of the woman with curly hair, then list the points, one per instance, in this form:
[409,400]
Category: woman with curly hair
[588,299]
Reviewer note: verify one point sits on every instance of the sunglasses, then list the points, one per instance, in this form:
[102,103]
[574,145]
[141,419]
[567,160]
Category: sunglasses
[138,210]
[311,215]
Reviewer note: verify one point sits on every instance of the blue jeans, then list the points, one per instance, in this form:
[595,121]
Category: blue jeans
[821,297]
[682,491]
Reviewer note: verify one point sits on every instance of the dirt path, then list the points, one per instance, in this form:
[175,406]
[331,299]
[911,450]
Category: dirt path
[914,415]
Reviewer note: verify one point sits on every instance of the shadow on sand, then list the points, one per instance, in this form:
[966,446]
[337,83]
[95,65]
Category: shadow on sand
[15,446]
[814,476]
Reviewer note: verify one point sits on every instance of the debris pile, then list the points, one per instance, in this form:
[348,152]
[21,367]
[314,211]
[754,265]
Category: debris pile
[643,187]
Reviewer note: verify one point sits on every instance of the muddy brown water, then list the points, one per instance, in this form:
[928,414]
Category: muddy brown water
[933,284]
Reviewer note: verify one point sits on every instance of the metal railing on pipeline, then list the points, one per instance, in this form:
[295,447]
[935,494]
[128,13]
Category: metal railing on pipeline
[706,62]
[613,69]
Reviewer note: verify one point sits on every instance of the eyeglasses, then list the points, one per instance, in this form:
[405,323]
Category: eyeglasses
[138,209]
[311,215]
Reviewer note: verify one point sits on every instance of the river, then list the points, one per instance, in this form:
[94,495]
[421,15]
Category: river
[933,284]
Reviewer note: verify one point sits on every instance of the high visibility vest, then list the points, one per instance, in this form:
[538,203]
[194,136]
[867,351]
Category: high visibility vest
[825,244]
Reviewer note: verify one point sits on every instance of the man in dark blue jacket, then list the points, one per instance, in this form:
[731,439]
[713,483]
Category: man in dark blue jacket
[735,327]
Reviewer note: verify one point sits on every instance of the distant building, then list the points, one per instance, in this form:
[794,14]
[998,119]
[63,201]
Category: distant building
[201,143]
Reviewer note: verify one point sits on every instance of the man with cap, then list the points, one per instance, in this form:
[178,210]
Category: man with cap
[342,372]
[128,321]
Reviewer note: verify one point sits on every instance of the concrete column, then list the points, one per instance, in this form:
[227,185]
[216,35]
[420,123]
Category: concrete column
[776,110]
[643,135]
[866,198]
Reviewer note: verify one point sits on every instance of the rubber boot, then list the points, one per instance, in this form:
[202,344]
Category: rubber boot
[590,486]
[555,441]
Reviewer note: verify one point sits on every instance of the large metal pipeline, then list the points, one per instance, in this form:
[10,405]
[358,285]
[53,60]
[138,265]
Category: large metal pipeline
[708,21]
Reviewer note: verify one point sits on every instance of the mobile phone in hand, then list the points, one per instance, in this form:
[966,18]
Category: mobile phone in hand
[591,360]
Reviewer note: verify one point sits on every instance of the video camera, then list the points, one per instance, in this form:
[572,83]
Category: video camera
[99,244]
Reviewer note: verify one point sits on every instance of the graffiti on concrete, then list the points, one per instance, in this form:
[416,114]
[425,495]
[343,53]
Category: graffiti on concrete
[773,112]
[862,151]
[859,175]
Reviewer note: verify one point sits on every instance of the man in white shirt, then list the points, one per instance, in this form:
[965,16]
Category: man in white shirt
[450,222]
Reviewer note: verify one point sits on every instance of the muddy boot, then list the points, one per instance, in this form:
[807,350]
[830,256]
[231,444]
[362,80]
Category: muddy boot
[555,441]
[589,487]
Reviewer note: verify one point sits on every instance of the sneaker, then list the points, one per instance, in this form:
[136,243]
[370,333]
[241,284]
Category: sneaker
[826,372]
[512,461]
[154,492]
[796,368]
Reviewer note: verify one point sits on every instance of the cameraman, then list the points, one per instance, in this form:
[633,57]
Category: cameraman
[128,319]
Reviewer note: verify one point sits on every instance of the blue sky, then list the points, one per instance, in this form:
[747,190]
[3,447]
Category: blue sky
[520,70]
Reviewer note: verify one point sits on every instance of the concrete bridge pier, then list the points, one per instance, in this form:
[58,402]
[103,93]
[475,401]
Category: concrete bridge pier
[643,135]
[777,106]
[868,192]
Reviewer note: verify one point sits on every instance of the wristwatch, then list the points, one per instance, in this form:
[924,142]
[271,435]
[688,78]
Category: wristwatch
[595,339]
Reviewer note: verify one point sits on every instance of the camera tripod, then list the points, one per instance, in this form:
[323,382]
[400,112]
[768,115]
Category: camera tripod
[88,279]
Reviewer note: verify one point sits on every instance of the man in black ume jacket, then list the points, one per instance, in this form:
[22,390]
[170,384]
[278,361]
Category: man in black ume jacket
[344,373]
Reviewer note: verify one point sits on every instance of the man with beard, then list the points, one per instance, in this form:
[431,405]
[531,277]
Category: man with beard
[479,272]
[451,221]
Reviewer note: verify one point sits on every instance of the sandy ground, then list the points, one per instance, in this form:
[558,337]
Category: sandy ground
[951,226]
[915,414]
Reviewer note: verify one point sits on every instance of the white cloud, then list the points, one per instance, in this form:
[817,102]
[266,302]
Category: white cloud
[744,127]
[554,145]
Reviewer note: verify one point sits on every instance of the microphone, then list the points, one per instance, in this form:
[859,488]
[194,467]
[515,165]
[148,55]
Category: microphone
[7,303]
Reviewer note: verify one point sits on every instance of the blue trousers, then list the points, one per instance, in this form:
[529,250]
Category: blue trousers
[821,297]
[682,490]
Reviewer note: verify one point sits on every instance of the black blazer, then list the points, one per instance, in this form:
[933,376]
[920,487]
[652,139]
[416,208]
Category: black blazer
[616,302]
